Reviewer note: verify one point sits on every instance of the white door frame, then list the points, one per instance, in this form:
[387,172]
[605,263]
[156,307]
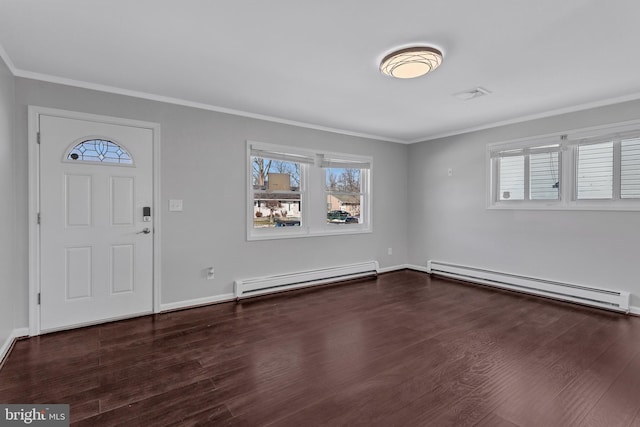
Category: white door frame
[34,200]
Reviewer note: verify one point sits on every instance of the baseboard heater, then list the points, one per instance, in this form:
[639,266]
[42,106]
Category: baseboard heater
[603,298]
[284,282]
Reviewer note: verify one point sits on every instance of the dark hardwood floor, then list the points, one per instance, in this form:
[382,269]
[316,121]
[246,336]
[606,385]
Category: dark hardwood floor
[400,350]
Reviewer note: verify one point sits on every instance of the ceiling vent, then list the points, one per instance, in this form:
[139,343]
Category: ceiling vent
[471,93]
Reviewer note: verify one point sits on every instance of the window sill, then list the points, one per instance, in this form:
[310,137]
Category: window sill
[305,233]
[569,206]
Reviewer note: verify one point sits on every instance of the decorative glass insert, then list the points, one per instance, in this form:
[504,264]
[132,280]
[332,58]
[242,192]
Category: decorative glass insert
[101,151]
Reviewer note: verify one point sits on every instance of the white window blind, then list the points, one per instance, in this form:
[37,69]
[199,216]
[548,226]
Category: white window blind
[630,168]
[543,176]
[589,168]
[343,164]
[511,173]
[286,157]
[528,173]
[595,171]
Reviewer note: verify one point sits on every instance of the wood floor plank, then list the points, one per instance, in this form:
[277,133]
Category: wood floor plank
[636,420]
[575,401]
[619,405]
[487,375]
[434,362]
[493,420]
[403,349]
[546,373]
[176,404]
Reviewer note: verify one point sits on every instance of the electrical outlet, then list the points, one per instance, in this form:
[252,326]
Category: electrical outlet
[450,172]
[389,251]
[211,274]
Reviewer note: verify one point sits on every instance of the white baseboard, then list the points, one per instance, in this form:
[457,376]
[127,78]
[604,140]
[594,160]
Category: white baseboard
[393,268]
[634,310]
[6,345]
[21,332]
[197,302]
[418,268]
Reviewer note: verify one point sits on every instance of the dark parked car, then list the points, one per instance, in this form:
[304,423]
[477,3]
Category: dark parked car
[287,222]
[341,217]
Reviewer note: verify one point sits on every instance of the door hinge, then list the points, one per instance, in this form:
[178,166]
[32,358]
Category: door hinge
[38,218]
[38,298]
[38,137]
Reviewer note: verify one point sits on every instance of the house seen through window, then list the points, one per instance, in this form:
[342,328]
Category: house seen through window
[295,192]
[276,192]
[344,198]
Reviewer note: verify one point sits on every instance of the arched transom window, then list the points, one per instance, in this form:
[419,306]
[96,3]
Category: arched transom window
[100,151]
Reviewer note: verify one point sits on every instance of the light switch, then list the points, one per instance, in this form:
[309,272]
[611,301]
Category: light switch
[175,205]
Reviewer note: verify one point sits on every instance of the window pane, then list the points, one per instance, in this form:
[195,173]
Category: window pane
[344,208]
[511,173]
[630,169]
[343,186]
[276,193]
[595,171]
[543,175]
[100,151]
[344,180]
[276,210]
[283,175]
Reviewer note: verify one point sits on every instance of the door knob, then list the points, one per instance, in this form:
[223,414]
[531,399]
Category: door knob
[144,231]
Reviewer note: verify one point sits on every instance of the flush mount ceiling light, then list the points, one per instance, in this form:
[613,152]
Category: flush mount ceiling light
[411,62]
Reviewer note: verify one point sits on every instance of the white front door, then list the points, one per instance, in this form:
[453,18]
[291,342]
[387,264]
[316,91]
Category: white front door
[96,239]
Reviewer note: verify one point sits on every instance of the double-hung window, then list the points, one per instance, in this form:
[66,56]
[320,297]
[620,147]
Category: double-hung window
[297,193]
[597,168]
[345,190]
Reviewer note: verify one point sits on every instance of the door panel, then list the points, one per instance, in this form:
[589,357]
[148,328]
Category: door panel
[122,267]
[78,277]
[122,203]
[95,264]
[77,196]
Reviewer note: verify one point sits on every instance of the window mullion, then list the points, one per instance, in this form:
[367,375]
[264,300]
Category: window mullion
[617,169]
[572,171]
[527,177]
[496,180]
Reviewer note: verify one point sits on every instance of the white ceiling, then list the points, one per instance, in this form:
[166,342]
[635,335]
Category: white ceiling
[316,63]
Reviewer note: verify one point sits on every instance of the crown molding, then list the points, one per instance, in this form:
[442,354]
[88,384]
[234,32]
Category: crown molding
[530,117]
[202,106]
[7,60]
[185,103]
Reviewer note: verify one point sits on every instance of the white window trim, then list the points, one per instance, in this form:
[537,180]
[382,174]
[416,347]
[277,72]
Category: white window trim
[312,196]
[567,200]
[329,229]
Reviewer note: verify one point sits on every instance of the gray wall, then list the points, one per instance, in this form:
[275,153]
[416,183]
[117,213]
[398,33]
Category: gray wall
[8,280]
[203,163]
[448,219]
